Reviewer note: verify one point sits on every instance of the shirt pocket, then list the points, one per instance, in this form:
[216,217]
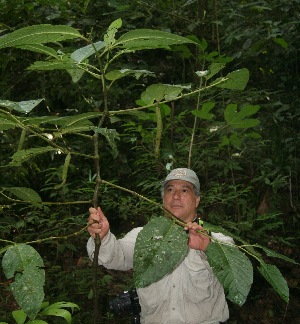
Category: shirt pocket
[198,286]
[150,297]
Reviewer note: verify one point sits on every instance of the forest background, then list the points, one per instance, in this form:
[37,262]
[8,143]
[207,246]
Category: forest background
[249,175]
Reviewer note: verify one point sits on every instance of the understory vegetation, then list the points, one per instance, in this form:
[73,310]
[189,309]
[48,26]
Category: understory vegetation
[211,85]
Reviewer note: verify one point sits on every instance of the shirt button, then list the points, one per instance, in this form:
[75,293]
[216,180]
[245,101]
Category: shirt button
[173,308]
[173,286]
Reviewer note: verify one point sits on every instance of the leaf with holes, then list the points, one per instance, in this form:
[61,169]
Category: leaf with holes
[233,269]
[23,263]
[160,247]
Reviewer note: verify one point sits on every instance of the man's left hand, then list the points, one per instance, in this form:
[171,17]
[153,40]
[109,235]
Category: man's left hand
[198,238]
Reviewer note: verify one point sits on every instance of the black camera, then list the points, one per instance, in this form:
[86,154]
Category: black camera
[127,302]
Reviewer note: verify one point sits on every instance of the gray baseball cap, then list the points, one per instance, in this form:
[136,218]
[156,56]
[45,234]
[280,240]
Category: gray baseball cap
[183,174]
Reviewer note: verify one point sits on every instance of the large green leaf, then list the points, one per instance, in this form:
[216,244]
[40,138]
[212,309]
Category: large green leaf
[24,155]
[25,194]
[237,119]
[148,38]
[160,247]
[272,274]
[236,80]
[159,92]
[233,269]
[38,34]
[23,263]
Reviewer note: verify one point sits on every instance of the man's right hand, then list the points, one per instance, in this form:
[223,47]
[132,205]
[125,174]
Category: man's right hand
[98,223]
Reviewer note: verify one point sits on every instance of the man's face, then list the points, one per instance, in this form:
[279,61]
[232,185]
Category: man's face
[180,199]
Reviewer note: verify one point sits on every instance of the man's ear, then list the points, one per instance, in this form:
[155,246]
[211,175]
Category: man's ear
[197,201]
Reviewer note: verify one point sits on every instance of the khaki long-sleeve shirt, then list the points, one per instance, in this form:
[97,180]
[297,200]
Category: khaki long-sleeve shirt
[191,294]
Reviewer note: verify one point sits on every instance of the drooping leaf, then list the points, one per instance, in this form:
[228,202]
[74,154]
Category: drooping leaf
[236,80]
[39,48]
[274,254]
[25,194]
[272,274]
[55,64]
[147,38]
[233,269]
[111,136]
[23,263]
[65,171]
[160,247]
[76,74]
[39,34]
[22,106]
[237,119]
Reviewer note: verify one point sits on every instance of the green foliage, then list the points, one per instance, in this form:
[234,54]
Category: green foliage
[46,309]
[25,265]
[233,269]
[240,169]
[160,247]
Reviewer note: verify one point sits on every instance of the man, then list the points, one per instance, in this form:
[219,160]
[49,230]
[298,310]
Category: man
[191,294]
